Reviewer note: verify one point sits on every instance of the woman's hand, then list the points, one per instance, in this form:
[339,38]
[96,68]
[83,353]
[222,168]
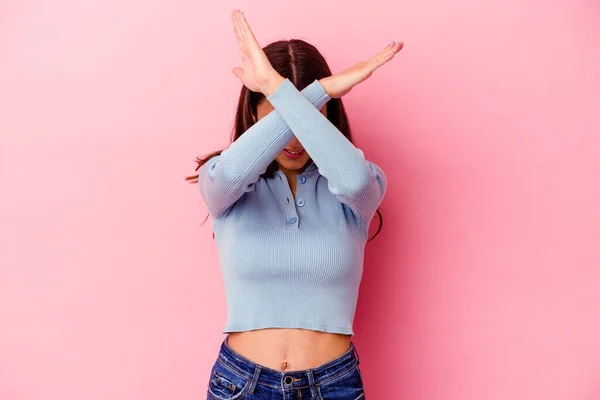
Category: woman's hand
[341,83]
[258,74]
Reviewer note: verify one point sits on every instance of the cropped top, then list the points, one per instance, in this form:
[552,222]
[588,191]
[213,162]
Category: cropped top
[292,262]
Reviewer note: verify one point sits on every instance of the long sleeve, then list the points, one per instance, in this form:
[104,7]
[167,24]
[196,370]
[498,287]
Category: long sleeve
[224,178]
[355,181]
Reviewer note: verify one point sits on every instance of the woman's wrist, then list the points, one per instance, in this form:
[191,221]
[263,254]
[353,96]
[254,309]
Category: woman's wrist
[326,83]
[335,86]
[272,84]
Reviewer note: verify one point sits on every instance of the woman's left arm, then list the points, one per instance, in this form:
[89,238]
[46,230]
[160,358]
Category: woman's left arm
[355,181]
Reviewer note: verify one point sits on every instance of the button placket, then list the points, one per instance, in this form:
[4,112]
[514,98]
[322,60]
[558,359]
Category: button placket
[302,180]
[289,204]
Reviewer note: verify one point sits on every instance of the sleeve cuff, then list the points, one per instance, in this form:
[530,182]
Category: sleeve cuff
[315,93]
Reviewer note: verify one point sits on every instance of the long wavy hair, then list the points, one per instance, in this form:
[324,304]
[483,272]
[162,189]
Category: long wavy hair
[302,64]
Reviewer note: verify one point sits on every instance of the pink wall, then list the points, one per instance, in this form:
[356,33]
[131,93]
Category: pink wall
[483,285]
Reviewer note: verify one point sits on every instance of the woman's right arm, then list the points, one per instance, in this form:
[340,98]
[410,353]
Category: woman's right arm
[224,178]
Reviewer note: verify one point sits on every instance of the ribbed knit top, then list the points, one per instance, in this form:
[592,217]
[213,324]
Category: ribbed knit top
[292,262]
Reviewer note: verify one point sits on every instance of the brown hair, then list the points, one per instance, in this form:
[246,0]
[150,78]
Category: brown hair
[302,64]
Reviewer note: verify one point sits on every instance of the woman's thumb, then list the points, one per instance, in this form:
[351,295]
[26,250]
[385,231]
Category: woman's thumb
[238,72]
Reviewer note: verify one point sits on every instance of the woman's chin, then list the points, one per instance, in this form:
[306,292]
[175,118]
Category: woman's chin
[292,165]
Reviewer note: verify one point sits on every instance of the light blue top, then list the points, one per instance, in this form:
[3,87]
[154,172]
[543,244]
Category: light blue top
[292,262]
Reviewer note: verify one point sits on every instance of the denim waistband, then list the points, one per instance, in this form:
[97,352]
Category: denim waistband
[292,380]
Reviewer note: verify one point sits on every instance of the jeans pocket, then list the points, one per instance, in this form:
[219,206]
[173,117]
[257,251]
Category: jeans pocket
[347,386]
[226,384]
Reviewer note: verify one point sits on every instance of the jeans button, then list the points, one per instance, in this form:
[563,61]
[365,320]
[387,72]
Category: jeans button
[287,380]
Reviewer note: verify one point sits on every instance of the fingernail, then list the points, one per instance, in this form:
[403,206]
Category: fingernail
[392,43]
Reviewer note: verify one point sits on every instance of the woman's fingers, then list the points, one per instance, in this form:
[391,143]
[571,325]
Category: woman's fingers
[243,48]
[388,51]
[243,31]
[384,55]
[236,29]
[381,53]
[246,30]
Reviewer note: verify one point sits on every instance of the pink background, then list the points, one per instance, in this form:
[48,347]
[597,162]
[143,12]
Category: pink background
[484,283]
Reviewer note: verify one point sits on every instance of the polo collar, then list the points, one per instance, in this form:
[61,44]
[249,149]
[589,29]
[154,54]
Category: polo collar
[311,169]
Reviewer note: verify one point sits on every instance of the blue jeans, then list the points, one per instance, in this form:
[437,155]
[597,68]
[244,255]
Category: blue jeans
[234,377]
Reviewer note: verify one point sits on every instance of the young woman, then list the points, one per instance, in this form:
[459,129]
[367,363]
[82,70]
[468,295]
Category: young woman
[291,200]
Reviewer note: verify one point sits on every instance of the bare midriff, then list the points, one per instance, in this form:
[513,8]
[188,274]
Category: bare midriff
[289,349]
